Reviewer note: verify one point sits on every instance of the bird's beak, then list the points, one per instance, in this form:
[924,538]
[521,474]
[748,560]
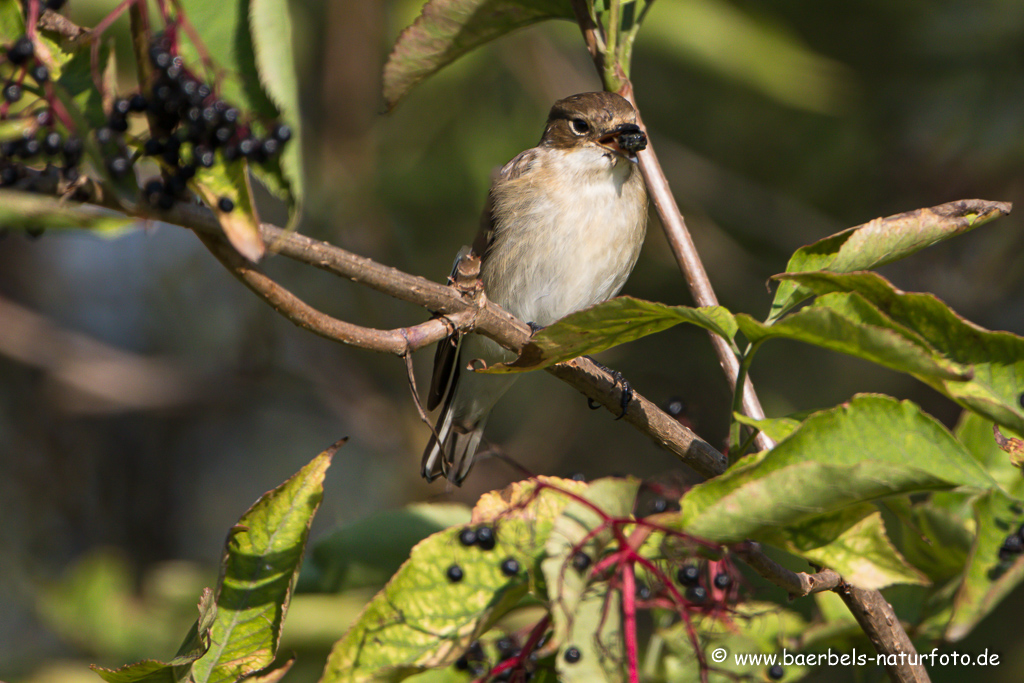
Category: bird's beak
[626,140]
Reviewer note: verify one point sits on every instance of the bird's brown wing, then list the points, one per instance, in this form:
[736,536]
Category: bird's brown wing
[446,369]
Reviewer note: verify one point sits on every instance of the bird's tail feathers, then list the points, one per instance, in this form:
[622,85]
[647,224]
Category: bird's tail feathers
[452,448]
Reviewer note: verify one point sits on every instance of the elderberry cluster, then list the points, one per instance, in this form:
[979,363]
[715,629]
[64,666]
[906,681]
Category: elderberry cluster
[192,125]
[1013,546]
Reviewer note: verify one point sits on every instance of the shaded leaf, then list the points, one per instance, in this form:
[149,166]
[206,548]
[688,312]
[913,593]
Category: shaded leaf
[994,360]
[869,448]
[272,34]
[258,573]
[585,614]
[241,224]
[610,323]
[882,241]
[934,540]
[853,542]
[30,211]
[977,434]
[988,579]
[448,29]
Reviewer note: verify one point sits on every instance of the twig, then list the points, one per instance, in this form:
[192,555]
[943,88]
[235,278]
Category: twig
[399,342]
[463,311]
[797,584]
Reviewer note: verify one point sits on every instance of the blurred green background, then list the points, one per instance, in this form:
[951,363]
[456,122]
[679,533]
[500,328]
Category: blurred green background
[147,399]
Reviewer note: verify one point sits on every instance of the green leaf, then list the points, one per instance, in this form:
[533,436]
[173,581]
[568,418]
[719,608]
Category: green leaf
[272,32]
[831,325]
[610,323]
[852,541]
[751,628]
[882,241]
[152,671]
[586,614]
[224,28]
[241,225]
[30,211]
[869,448]
[975,433]
[993,360]
[258,573]
[934,540]
[987,579]
[776,428]
[421,619]
[448,29]
[368,552]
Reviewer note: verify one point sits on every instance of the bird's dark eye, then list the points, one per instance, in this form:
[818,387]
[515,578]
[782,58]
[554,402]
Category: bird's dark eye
[579,126]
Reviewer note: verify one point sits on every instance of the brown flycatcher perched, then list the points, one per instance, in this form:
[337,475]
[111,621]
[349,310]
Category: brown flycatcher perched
[562,230]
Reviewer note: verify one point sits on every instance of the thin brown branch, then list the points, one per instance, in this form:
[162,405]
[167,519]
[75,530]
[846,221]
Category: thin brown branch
[689,262]
[461,307]
[399,341]
[797,584]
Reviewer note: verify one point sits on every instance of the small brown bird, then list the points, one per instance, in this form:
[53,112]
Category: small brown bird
[562,230]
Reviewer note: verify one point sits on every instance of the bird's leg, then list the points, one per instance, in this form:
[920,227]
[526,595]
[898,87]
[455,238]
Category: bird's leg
[627,390]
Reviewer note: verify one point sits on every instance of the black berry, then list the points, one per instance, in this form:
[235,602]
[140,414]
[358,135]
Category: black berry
[572,654]
[282,132]
[29,148]
[1012,546]
[104,135]
[689,575]
[510,567]
[152,188]
[580,562]
[467,537]
[462,664]
[676,407]
[70,173]
[696,594]
[225,205]
[152,147]
[485,538]
[137,103]
[454,573]
[248,146]
[187,171]
[8,175]
[160,57]
[117,123]
[507,647]
[203,156]
[52,143]
[20,52]
[121,106]
[40,74]
[270,147]
[118,166]
[722,581]
[643,591]
[776,672]
[72,151]
[12,92]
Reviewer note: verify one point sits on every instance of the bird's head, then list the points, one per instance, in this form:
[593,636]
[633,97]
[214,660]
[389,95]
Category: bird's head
[601,120]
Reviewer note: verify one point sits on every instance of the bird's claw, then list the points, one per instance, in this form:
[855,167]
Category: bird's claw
[626,390]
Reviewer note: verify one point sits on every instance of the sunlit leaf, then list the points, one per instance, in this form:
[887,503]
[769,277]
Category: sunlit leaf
[422,619]
[610,323]
[258,574]
[882,241]
[586,614]
[29,211]
[240,224]
[994,360]
[867,449]
[448,29]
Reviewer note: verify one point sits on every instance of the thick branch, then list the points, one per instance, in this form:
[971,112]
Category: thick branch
[878,620]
